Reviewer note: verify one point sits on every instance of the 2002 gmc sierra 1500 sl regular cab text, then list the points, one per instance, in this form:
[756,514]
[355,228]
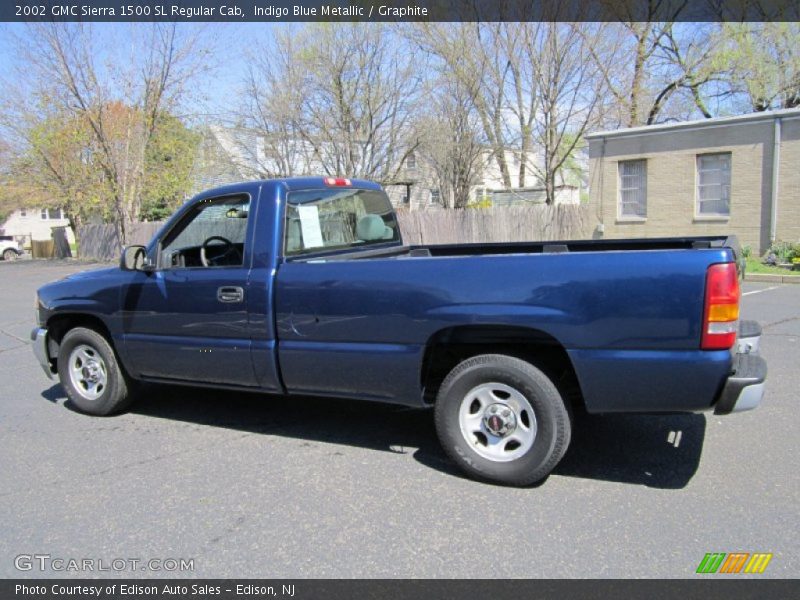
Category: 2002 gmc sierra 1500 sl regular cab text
[304,287]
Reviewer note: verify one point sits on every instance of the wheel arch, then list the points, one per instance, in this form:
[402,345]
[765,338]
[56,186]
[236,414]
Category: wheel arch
[449,346]
[59,324]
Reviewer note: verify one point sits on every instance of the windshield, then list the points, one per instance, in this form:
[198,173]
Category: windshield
[330,219]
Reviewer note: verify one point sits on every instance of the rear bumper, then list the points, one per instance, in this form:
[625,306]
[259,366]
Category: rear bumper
[744,388]
[749,336]
[40,350]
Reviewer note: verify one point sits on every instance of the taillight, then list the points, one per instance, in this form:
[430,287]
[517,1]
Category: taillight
[337,181]
[721,308]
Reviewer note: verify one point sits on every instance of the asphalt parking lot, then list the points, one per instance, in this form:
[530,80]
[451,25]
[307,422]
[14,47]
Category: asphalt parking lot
[252,486]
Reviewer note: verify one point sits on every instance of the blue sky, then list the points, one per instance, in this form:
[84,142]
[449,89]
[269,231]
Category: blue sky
[231,44]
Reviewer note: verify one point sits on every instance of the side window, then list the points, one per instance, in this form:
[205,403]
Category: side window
[318,220]
[213,234]
[714,184]
[633,188]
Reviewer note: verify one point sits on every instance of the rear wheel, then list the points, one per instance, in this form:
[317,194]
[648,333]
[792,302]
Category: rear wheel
[502,419]
[90,374]
[9,254]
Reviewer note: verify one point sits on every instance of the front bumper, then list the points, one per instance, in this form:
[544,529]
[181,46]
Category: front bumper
[41,351]
[744,388]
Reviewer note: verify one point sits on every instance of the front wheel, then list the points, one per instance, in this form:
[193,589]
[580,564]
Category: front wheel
[9,254]
[90,374]
[501,419]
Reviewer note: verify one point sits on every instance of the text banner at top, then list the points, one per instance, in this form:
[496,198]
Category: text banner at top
[275,11]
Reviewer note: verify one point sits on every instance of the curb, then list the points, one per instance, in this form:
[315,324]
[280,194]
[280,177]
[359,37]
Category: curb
[769,278]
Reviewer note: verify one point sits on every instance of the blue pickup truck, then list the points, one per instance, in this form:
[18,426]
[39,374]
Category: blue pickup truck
[305,287]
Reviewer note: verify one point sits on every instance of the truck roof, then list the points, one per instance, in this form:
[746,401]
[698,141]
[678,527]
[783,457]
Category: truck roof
[304,183]
[291,184]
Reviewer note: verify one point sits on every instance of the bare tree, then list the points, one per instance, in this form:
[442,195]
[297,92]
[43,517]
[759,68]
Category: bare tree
[570,92]
[450,142]
[532,87]
[268,137]
[476,56]
[655,67]
[337,98]
[121,92]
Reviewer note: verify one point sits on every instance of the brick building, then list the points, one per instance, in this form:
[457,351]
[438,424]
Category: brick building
[734,175]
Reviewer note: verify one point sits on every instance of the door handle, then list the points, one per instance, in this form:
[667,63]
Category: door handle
[230,294]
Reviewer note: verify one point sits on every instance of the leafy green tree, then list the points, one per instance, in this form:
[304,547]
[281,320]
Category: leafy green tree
[52,166]
[168,168]
[56,166]
[762,63]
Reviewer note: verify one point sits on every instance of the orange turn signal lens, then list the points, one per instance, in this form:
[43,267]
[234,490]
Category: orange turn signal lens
[723,312]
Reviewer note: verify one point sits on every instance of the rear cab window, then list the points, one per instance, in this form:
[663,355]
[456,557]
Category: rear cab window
[324,220]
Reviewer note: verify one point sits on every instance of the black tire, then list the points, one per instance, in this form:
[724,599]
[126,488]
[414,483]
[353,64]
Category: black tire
[9,255]
[115,395]
[521,387]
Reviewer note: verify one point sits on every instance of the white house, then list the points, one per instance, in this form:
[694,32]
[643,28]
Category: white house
[28,224]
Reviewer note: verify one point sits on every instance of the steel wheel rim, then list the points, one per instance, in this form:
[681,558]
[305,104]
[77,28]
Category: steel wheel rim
[87,372]
[497,422]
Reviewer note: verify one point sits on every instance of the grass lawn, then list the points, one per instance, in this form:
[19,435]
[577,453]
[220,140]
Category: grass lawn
[754,265]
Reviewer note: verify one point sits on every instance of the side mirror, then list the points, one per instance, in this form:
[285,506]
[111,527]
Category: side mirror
[134,258]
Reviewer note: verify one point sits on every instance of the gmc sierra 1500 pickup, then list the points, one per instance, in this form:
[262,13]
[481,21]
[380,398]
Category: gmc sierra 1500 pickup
[304,287]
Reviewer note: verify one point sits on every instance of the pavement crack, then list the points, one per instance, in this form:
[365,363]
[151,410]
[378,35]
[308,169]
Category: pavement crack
[11,335]
[781,322]
[12,348]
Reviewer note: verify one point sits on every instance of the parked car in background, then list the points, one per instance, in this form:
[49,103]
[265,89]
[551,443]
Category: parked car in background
[10,249]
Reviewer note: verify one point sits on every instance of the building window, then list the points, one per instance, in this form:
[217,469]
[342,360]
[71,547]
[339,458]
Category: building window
[714,184]
[436,197]
[52,214]
[633,188]
[411,161]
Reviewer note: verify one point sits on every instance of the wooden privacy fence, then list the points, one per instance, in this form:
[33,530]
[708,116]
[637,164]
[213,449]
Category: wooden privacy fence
[100,242]
[43,249]
[507,224]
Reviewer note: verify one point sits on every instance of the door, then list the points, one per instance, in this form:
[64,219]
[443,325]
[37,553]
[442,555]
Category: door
[188,320]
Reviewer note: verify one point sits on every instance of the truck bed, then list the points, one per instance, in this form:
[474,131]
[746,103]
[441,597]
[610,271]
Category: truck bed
[546,247]
[629,319]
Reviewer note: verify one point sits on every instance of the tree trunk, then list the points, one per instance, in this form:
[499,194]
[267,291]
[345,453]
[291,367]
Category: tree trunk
[75,223]
[550,187]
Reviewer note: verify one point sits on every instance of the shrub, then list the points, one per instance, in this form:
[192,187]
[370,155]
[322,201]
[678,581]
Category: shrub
[784,251]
